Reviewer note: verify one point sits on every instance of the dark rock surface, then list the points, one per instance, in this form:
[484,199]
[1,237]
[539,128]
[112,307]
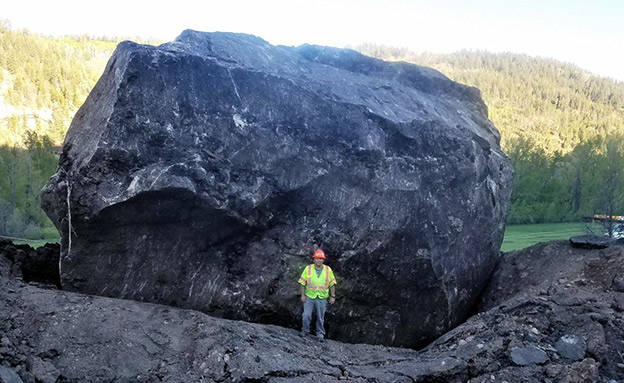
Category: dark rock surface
[57,336]
[571,346]
[592,241]
[38,266]
[618,283]
[202,172]
[564,301]
[527,355]
[8,376]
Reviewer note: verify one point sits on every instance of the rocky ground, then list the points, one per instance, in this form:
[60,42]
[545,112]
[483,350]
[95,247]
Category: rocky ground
[553,313]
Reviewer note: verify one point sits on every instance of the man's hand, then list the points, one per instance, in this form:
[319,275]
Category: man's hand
[303,298]
[332,300]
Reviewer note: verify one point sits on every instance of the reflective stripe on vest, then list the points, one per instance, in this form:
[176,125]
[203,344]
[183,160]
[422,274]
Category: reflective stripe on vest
[313,286]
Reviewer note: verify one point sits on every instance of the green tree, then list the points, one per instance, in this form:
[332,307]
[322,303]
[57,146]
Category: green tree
[609,202]
[9,160]
[552,117]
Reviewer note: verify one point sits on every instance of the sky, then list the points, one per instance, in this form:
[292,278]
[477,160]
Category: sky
[587,33]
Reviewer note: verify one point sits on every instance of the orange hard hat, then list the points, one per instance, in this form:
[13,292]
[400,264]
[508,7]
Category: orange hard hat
[319,254]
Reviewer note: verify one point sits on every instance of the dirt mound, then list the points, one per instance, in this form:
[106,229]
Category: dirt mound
[552,314]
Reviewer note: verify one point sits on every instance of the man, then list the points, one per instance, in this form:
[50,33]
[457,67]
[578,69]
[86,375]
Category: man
[318,286]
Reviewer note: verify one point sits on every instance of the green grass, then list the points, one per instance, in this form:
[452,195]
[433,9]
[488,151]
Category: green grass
[521,236]
[35,243]
[45,235]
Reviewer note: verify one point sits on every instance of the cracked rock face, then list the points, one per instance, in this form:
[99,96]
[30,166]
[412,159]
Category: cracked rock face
[202,172]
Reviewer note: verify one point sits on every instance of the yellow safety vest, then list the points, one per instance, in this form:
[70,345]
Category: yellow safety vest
[317,286]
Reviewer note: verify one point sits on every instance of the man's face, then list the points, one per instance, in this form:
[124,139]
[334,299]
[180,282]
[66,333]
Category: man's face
[318,262]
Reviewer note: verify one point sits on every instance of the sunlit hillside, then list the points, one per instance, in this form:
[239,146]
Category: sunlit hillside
[553,105]
[44,80]
[562,127]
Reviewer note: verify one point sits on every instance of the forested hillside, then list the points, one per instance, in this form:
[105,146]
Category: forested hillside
[43,81]
[561,126]
[554,105]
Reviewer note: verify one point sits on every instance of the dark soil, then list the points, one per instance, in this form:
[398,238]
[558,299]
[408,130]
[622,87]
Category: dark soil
[553,313]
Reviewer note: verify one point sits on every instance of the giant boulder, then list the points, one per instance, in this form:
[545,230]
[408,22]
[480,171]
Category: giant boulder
[201,173]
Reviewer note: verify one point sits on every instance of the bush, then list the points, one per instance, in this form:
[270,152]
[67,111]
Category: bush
[14,224]
[50,233]
[31,231]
